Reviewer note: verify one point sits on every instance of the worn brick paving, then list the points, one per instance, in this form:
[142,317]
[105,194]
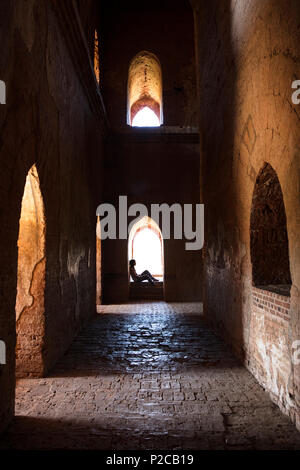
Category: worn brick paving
[147,376]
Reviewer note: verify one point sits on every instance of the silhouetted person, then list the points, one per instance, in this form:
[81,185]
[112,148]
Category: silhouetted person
[145,276]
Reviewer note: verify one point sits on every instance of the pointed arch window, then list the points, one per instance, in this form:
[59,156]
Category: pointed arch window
[268,234]
[144,94]
[96,57]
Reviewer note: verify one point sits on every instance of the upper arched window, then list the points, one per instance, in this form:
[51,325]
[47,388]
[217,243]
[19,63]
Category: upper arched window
[144,107]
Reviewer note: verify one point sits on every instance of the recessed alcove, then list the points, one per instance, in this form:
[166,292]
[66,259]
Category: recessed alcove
[144,93]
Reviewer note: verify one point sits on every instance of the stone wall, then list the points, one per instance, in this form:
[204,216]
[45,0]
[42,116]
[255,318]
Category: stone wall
[164,28]
[153,166]
[48,121]
[248,55]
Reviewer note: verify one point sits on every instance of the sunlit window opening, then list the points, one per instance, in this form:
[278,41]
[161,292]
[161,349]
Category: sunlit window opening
[144,98]
[146,247]
[98,263]
[145,118]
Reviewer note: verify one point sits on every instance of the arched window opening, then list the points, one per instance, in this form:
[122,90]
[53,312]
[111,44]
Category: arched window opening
[268,234]
[144,107]
[145,245]
[30,318]
[98,264]
[96,57]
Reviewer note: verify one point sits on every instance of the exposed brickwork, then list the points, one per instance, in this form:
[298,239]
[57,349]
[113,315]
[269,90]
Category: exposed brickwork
[148,376]
[165,29]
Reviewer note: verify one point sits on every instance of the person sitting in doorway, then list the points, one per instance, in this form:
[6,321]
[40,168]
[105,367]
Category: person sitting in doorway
[145,276]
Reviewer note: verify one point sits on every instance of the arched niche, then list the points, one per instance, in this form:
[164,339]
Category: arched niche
[268,234]
[96,57]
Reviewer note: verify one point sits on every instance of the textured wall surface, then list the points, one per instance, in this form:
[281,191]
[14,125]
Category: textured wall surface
[164,28]
[48,122]
[248,55]
[268,348]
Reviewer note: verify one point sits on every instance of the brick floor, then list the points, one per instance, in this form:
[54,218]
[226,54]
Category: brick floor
[147,376]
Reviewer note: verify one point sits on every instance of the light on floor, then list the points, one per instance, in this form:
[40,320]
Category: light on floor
[145,118]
